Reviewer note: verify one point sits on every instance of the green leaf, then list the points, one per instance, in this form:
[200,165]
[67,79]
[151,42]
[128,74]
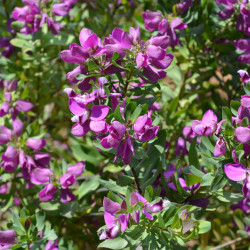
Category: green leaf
[245,122]
[234,105]
[226,196]
[92,65]
[117,243]
[192,156]
[226,114]
[204,226]
[112,186]
[115,56]
[238,218]
[229,131]
[219,181]
[20,43]
[117,114]
[119,76]
[149,192]
[207,179]
[130,108]
[196,172]
[192,179]
[40,219]
[87,186]
[136,113]
[17,25]
[17,224]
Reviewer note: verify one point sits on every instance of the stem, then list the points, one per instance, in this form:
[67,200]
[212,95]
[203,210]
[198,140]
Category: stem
[136,180]
[227,244]
[197,190]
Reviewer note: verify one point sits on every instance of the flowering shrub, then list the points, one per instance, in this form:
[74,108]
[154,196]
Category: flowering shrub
[124,124]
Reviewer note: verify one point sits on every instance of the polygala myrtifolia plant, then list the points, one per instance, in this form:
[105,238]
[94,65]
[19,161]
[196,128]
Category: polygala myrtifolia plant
[152,150]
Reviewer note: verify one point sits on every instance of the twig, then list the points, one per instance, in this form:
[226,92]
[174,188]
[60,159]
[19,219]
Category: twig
[136,180]
[227,243]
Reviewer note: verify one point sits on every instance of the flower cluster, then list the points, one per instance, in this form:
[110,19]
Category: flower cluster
[118,217]
[90,109]
[240,129]
[156,21]
[243,45]
[35,13]
[243,20]
[42,175]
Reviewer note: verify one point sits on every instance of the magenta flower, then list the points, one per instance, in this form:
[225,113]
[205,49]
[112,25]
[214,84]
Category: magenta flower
[147,208]
[144,131]
[220,147]
[151,19]
[244,75]
[238,172]
[208,125]
[91,45]
[243,45]
[7,239]
[8,47]
[184,6]
[36,144]
[242,134]
[41,175]
[47,193]
[116,133]
[244,109]
[226,13]
[125,149]
[110,206]
[180,147]
[51,246]
[115,224]
[10,159]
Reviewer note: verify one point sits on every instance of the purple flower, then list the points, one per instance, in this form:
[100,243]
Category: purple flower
[151,19]
[10,159]
[67,195]
[220,147]
[51,246]
[244,109]
[4,109]
[67,180]
[47,193]
[115,224]
[226,13]
[5,135]
[110,206]
[36,144]
[42,158]
[41,175]
[208,125]
[180,147]
[9,48]
[60,9]
[7,238]
[90,46]
[242,134]
[116,133]
[24,105]
[184,6]
[147,208]
[76,169]
[244,45]
[124,150]
[244,75]
[144,131]
[238,172]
